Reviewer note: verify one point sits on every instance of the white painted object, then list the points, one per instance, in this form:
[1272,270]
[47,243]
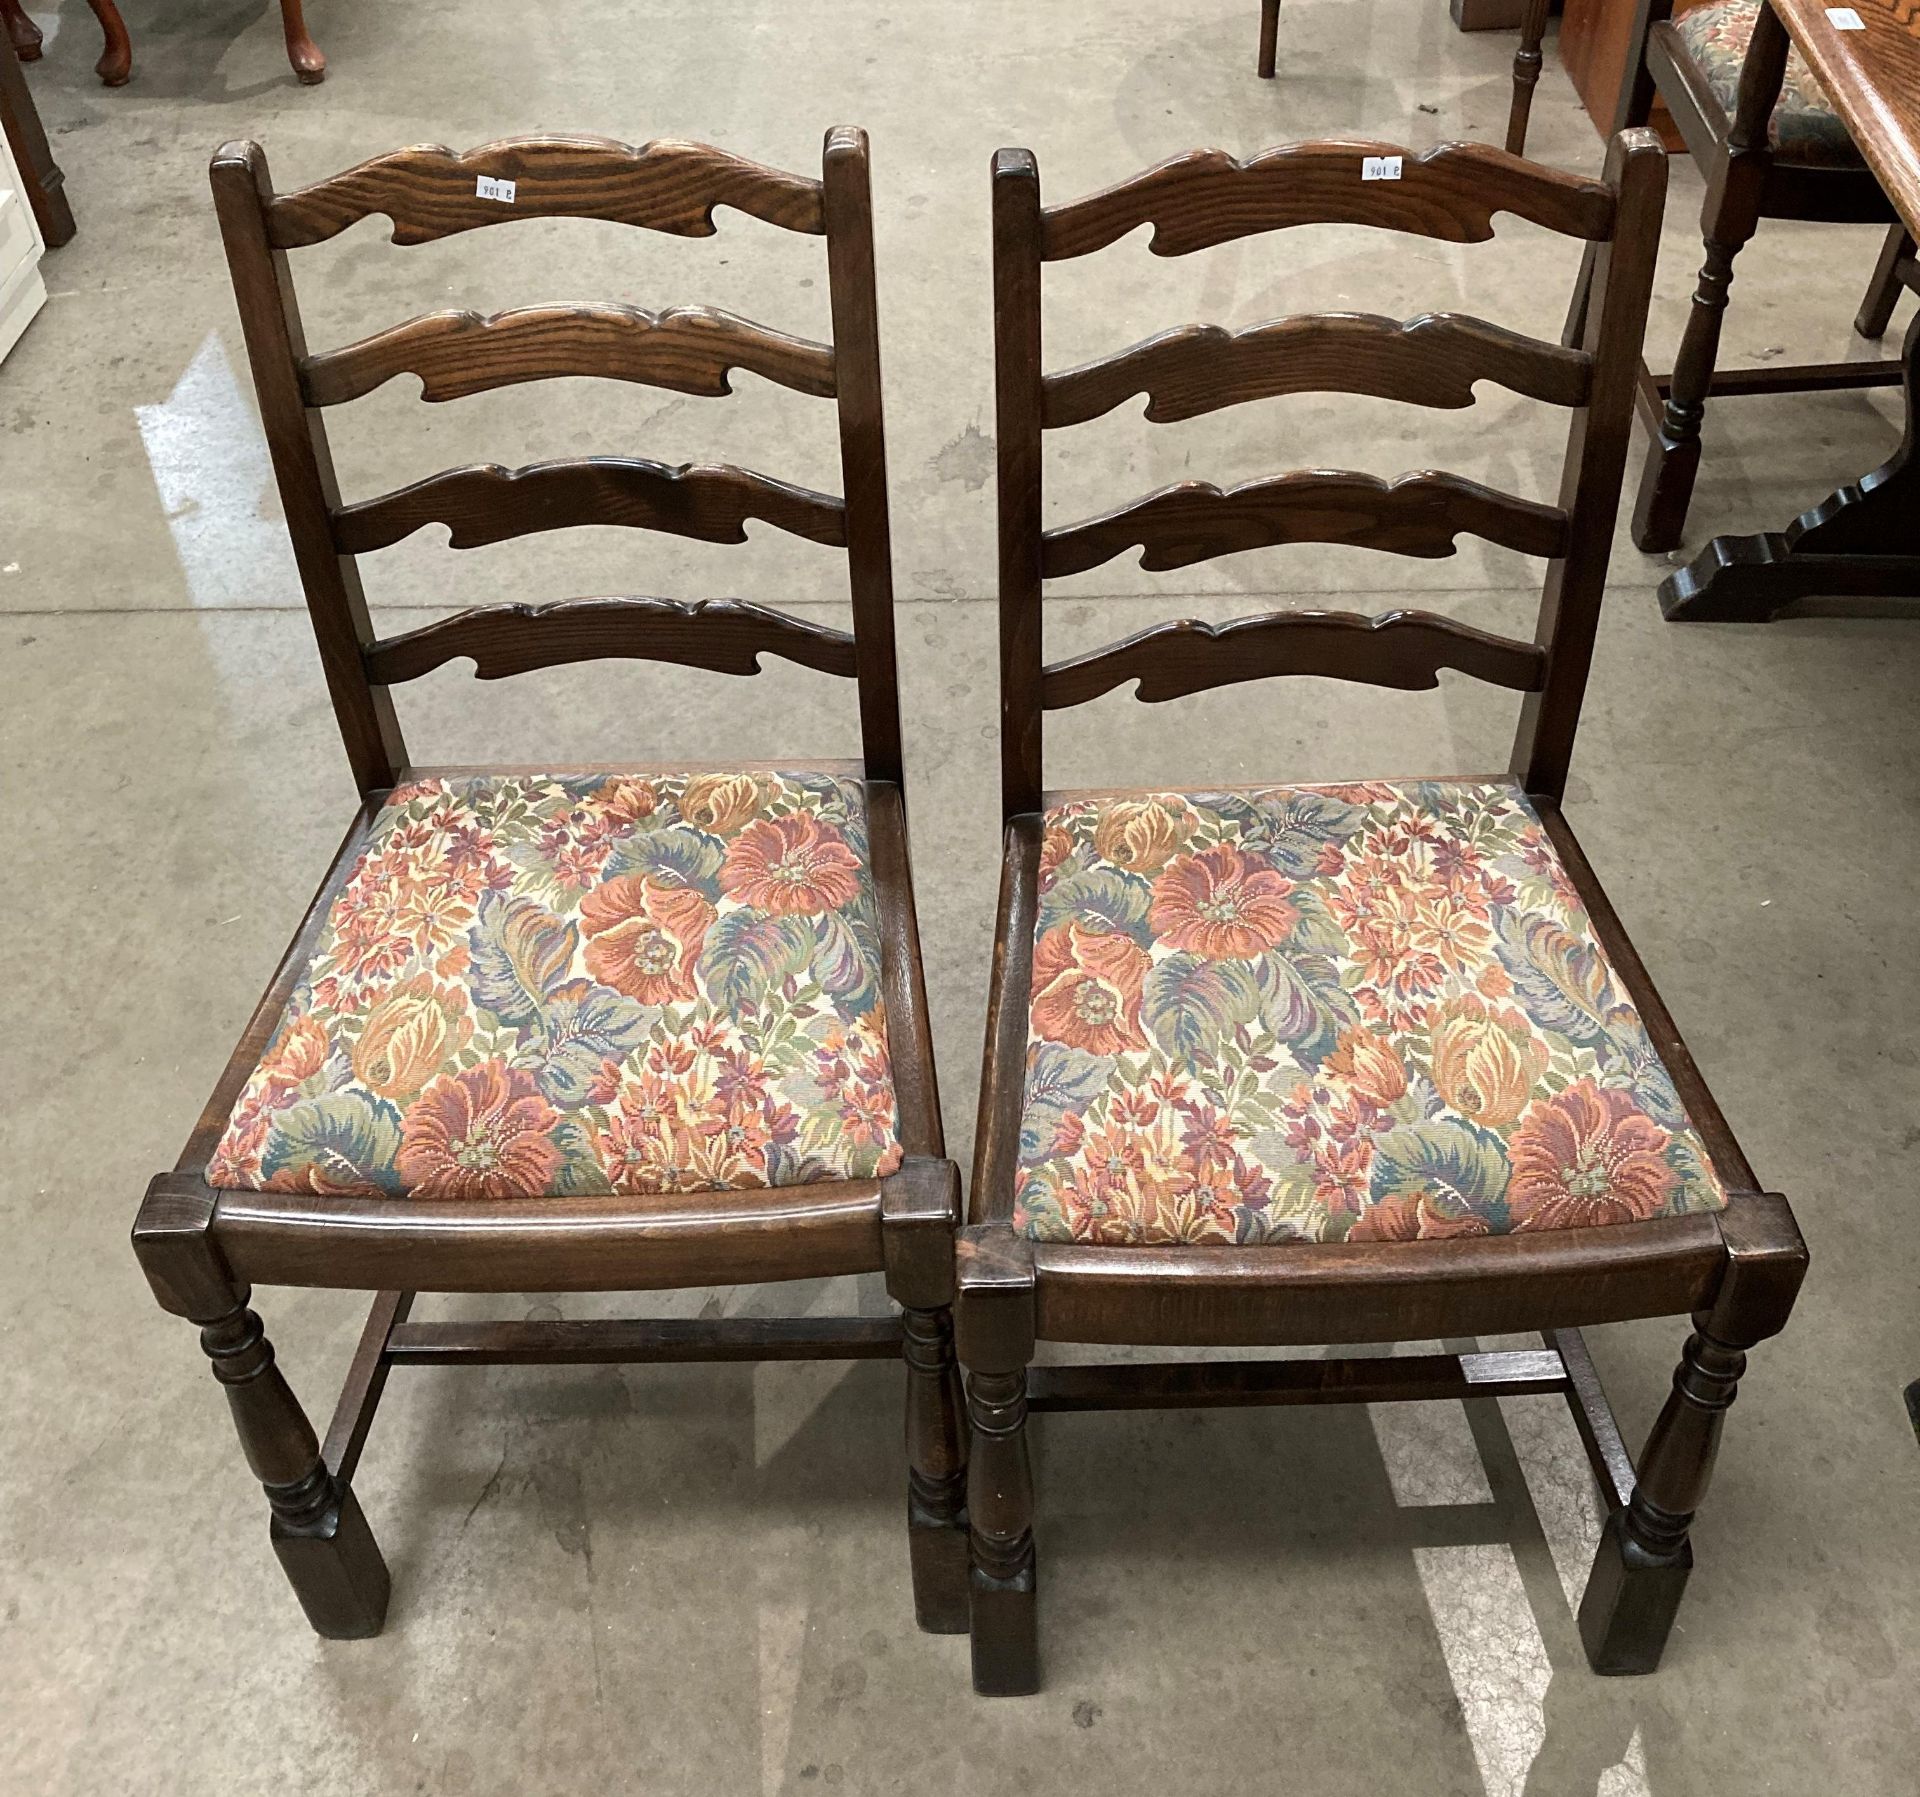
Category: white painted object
[22,292]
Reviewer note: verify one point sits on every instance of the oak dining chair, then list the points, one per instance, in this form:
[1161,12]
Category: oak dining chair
[551,1029]
[1348,1063]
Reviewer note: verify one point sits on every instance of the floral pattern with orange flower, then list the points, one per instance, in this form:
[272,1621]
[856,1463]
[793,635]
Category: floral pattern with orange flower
[1364,1012]
[560,984]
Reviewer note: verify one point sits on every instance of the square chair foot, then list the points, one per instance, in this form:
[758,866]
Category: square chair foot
[940,1560]
[1006,1645]
[1630,1602]
[336,1571]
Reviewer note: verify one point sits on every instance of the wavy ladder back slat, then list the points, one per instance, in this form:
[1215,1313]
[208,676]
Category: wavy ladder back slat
[686,349]
[491,504]
[1453,193]
[1434,360]
[431,193]
[1206,197]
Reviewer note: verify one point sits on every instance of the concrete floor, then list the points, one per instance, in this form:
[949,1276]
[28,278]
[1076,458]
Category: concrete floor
[693,1580]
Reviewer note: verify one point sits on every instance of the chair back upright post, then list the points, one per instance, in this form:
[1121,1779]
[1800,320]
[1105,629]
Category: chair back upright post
[1206,198]
[666,186]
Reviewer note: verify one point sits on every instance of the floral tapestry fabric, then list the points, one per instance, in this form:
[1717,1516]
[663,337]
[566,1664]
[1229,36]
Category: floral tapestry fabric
[1805,127]
[556,985]
[1332,1013]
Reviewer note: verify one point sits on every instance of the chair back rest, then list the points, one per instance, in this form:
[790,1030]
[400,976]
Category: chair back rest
[1206,197]
[430,193]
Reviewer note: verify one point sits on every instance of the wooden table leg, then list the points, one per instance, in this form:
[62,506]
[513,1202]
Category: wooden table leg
[305,55]
[1861,542]
[116,59]
[27,137]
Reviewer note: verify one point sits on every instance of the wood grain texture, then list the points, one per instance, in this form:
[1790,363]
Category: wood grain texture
[1417,515]
[1403,649]
[1872,78]
[486,503]
[688,349]
[429,191]
[1207,197]
[725,636]
[1433,360]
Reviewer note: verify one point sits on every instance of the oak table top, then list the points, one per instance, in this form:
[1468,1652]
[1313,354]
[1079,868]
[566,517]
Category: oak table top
[1872,77]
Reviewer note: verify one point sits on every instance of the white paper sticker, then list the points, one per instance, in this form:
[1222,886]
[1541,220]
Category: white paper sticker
[1380,168]
[1844,18]
[490,189]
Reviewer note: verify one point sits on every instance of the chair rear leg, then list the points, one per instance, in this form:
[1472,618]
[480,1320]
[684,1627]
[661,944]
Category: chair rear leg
[1526,75]
[1269,36]
[318,1532]
[1883,291]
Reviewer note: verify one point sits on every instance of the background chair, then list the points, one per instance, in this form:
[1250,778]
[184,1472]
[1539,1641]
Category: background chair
[1756,122]
[620,1029]
[1260,1068]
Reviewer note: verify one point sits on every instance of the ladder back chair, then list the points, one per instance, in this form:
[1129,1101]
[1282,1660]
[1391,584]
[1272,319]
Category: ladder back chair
[1758,125]
[609,1029]
[1356,1063]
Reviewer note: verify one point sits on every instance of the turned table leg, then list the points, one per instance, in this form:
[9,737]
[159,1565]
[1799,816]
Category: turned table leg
[305,55]
[115,66]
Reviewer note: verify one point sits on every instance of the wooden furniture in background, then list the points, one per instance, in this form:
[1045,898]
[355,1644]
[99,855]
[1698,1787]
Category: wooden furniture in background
[1735,1270]
[1750,178]
[1595,47]
[40,175]
[22,242]
[115,67]
[203,1248]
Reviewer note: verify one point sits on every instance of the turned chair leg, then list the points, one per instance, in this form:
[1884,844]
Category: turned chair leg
[1673,457]
[1883,291]
[1641,1570]
[1526,75]
[308,61]
[115,66]
[919,1211]
[22,32]
[318,1532]
[936,1474]
[1269,36]
[996,1331]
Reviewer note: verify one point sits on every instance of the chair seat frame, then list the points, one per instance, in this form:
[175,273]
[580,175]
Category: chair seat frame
[1734,1272]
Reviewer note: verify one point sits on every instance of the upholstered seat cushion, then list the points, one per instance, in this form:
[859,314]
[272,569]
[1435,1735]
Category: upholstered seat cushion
[1332,1013]
[547,985]
[1805,129]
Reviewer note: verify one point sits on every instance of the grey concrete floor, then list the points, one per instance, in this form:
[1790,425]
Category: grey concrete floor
[692,1580]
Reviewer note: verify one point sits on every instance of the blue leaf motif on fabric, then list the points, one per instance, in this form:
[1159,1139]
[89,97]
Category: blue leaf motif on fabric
[1304,1004]
[586,1025]
[843,966]
[1559,981]
[676,856]
[1191,1003]
[1290,828]
[1059,1079]
[1103,899]
[521,955]
[346,1140]
[1457,1161]
[749,953]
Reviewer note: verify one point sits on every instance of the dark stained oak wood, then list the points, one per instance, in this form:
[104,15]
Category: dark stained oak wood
[1433,360]
[27,137]
[726,636]
[486,503]
[429,191]
[201,1247]
[1206,197]
[1404,649]
[1416,515]
[686,349]
[1739,1268]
